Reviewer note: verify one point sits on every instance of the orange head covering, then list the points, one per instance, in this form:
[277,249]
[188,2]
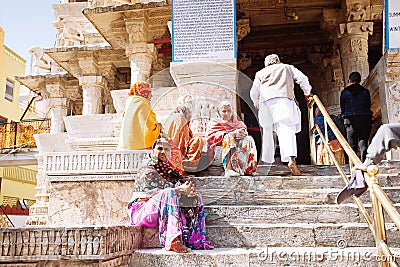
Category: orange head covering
[141,89]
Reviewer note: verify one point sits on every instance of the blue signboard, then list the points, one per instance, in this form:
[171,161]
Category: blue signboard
[392,24]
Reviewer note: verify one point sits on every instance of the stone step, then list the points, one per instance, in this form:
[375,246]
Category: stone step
[282,182]
[286,213]
[257,197]
[286,235]
[267,256]
[296,235]
[388,167]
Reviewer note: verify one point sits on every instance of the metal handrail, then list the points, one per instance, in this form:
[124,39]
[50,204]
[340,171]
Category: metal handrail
[379,199]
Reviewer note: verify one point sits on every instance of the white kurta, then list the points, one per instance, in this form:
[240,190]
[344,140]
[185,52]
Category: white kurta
[282,116]
[273,93]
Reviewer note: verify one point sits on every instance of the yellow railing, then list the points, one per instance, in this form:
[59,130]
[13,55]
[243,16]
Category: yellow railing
[379,199]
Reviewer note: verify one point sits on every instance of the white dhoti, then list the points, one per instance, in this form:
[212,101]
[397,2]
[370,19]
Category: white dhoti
[282,116]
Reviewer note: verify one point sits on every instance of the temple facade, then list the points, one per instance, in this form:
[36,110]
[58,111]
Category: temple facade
[102,47]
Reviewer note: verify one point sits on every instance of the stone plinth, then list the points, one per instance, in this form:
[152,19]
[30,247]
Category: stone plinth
[92,132]
[48,142]
[90,188]
[90,126]
[100,202]
[119,98]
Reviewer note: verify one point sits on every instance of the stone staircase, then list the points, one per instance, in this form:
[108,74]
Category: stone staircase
[276,219]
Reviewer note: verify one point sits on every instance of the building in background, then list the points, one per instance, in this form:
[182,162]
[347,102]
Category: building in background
[17,176]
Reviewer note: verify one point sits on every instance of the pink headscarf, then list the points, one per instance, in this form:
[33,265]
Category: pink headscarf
[218,128]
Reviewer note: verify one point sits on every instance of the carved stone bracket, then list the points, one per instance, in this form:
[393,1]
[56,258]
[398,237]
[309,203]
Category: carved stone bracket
[89,65]
[356,28]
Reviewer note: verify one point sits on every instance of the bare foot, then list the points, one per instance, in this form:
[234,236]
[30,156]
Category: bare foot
[177,246]
[293,168]
[229,173]
[255,174]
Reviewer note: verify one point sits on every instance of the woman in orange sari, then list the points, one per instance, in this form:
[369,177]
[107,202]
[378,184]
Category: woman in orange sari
[139,127]
[182,137]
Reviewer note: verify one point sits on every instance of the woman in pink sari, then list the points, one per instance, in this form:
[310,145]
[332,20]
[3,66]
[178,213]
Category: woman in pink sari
[239,153]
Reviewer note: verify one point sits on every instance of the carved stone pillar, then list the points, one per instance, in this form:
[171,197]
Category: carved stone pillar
[92,88]
[38,213]
[139,50]
[353,37]
[353,42]
[58,105]
[141,59]
[58,110]
[109,73]
[335,82]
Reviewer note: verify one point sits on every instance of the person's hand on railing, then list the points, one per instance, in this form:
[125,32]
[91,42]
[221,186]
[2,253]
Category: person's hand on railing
[359,167]
[310,95]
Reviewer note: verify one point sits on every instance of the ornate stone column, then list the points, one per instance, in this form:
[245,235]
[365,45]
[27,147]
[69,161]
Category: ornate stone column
[141,53]
[92,88]
[38,213]
[353,38]
[58,105]
[109,73]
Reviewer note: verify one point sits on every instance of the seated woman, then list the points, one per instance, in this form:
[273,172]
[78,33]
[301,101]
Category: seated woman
[139,127]
[239,153]
[163,200]
[182,137]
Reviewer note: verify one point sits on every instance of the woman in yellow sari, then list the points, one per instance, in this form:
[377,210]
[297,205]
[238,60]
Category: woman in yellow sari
[139,127]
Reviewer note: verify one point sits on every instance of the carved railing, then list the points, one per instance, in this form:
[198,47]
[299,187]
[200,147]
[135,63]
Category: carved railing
[379,199]
[20,134]
[60,243]
[100,162]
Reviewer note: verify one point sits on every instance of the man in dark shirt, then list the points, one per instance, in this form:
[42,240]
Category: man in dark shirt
[355,103]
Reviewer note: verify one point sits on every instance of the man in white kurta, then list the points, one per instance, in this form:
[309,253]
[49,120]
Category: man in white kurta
[273,95]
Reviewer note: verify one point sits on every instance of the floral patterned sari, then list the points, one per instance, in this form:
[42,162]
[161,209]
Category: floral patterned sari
[243,152]
[155,204]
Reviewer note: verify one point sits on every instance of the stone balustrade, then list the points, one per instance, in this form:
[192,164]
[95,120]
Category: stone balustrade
[94,162]
[72,243]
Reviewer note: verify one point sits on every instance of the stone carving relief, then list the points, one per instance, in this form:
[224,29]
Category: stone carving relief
[356,12]
[355,47]
[40,61]
[244,61]
[242,28]
[394,91]
[72,35]
[137,31]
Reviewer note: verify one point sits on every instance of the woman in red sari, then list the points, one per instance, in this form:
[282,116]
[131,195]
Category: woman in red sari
[239,153]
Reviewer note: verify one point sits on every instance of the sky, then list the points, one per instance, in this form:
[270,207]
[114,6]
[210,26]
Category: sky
[27,23]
